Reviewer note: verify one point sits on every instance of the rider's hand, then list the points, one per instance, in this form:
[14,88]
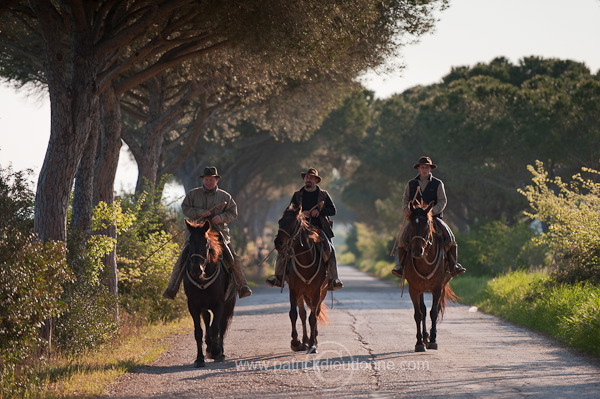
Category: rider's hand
[205,214]
[314,213]
[306,214]
[216,219]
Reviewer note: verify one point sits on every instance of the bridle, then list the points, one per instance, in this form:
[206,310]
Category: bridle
[205,260]
[289,254]
[428,244]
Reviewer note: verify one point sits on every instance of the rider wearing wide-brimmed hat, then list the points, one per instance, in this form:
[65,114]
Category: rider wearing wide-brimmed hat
[317,207]
[210,202]
[428,188]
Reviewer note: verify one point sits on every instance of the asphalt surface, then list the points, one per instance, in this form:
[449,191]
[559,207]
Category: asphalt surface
[367,351]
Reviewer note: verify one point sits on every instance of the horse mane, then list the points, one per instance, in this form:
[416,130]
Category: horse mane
[313,234]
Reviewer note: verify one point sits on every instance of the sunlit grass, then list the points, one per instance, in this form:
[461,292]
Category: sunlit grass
[569,312]
[88,375]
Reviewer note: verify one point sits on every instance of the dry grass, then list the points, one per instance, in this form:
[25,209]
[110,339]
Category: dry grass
[88,375]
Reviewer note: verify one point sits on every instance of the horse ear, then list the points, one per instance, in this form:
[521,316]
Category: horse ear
[187,223]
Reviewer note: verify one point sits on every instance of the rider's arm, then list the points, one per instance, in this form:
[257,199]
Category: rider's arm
[230,212]
[329,207]
[187,206]
[441,200]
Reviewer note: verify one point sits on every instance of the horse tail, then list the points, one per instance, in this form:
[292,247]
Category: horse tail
[228,313]
[447,295]
[323,317]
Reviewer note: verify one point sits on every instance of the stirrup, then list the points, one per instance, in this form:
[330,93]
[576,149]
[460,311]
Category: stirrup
[335,285]
[398,271]
[274,281]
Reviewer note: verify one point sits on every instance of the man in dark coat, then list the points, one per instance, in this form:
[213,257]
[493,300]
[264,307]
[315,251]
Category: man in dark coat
[428,188]
[317,208]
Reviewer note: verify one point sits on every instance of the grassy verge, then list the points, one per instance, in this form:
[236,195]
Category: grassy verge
[89,375]
[570,313]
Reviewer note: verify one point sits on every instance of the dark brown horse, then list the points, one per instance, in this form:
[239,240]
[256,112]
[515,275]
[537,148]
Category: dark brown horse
[209,289]
[300,247]
[425,270]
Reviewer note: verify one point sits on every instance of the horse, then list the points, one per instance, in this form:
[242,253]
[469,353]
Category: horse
[425,271]
[209,288]
[300,246]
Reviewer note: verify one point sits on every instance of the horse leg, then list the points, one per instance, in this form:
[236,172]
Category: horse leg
[208,339]
[416,300]
[198,336]
[302,312]
[216,349]
[312,342]
[295,344]
[434,316]
[424,320]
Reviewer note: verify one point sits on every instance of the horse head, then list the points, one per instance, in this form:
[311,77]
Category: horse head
[422,227]
[289,226]
[204,248]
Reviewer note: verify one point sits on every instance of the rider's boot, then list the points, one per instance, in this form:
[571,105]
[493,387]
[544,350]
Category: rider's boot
[398,270]
[277,279]
[240,280]
[454,268]
[176,275]
[334,282]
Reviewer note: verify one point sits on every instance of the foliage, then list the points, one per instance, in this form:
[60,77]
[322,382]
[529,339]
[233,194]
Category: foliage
[498,247]
[484,121]
[31,277]
[145,257]
[572,213]
[565,311]
[370,249]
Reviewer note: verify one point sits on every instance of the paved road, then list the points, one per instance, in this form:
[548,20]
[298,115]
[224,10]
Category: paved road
[367,351]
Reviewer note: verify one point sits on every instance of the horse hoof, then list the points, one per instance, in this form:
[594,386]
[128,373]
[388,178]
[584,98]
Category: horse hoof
[420,348]
[219,359]
[198,364]
[432,345]
[312,349]
[297,346]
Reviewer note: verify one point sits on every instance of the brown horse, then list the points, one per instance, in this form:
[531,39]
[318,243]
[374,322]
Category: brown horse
[425,270]
[298,245]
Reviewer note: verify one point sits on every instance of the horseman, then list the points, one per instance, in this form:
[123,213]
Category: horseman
[428,188]
[317,207]
[206,202]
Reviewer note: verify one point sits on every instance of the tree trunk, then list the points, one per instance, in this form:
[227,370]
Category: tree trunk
[106,170]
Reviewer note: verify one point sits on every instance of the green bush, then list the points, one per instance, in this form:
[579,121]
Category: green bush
[146,254]
[32,274]
[572,214]
[497,247]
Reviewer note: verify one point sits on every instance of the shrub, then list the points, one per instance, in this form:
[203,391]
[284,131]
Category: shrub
[497,247]
[31,277]
[145,257]
[572,214]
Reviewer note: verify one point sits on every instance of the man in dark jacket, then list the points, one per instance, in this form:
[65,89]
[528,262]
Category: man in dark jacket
[317,208]
[428,188]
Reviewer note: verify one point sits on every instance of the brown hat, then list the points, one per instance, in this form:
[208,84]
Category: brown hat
[211,171]
[425,161]
[311,171]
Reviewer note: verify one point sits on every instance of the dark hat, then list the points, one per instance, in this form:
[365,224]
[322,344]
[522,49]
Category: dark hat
[313,172]
[425,161]
[210,171]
